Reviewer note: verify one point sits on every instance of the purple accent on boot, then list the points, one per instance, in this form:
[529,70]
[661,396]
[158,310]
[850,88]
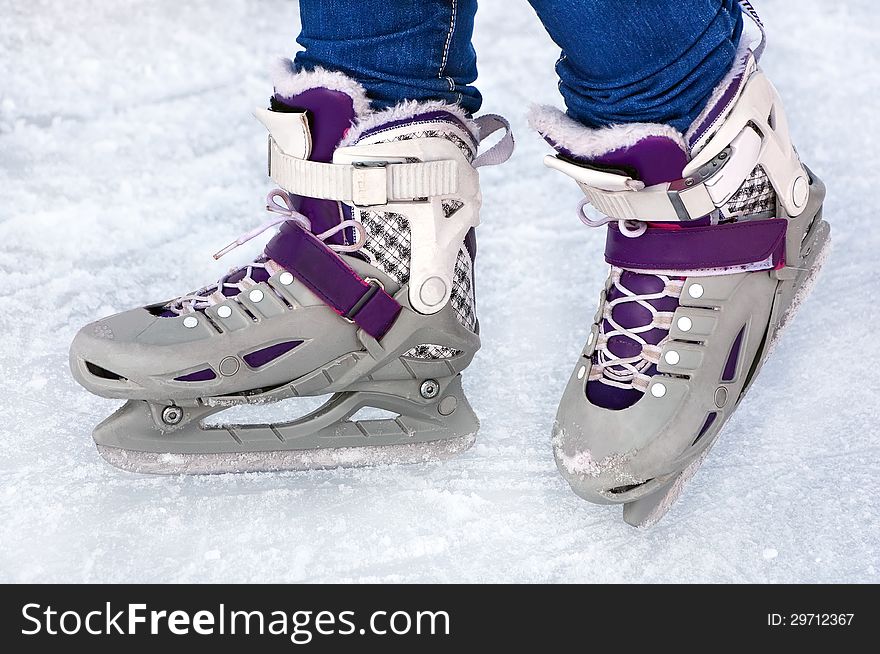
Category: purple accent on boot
[330,116]
[718,109]
[259,358]
[470,243]
[729,373]
[611,397]
[655,159]
[698,248]
[327,275]
[200,375]
[430,116]
[710,420]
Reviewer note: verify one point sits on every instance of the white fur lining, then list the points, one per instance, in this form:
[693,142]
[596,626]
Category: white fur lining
[404,110]
[591,142]
[741,60]
[289,82]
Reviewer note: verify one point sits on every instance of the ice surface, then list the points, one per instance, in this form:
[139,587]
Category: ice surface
[128,156]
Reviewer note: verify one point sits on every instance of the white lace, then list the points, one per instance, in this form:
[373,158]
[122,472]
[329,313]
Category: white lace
[629,372]
[278,202]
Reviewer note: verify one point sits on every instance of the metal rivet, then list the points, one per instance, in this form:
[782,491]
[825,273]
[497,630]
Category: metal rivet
[432,291]
[447,405]
[800,191]
[190,321]
[689,181]
[582,372]
[672,358]
[229,366]
[722,155]
[658,390]
[224,311]
[429,389]
[696,290]
[171,415]
[255,295]
[286,278]
[685,324]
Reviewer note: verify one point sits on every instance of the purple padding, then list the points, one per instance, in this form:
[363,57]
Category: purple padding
[330,116]
[719,107]
[710,420]
[200,375]
[698,248]
[613,398]
[325,274]
[259,358]
[655,159]
[729,373]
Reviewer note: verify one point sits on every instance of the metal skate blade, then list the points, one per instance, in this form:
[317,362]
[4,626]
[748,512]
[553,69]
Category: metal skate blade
[281,460]
[171,439]
[647,511]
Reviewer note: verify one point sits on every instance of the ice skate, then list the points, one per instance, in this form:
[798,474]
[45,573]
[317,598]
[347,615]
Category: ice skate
[714,238]
[366,293]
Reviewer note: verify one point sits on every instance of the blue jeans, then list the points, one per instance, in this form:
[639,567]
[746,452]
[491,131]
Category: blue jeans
[622,60]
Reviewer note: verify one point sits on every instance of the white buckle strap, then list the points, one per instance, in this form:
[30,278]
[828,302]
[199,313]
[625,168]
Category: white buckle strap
[362,183]
[622,198]
[754,133]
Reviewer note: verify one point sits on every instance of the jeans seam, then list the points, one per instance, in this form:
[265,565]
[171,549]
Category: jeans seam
[447,46]
[556,66]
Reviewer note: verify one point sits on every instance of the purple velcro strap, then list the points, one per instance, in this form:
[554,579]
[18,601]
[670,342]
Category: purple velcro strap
[325,274]
[698,248]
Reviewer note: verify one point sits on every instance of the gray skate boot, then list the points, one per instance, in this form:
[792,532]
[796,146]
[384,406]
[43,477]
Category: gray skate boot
[714,238]
[366,293]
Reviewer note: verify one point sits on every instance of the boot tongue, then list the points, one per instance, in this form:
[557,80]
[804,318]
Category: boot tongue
[330,116]
[652,160]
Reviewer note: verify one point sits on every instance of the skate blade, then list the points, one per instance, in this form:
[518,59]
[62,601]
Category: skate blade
[647,511]
[284,460]
[173,439]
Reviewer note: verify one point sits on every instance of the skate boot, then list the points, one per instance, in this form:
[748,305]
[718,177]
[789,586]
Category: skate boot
[365,293]
[714,237]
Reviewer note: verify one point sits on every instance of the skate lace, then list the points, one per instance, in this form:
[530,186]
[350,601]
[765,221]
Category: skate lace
[278,202]
[632,371]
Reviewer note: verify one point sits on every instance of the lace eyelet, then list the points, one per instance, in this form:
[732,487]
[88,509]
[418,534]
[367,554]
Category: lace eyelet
[632,228]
